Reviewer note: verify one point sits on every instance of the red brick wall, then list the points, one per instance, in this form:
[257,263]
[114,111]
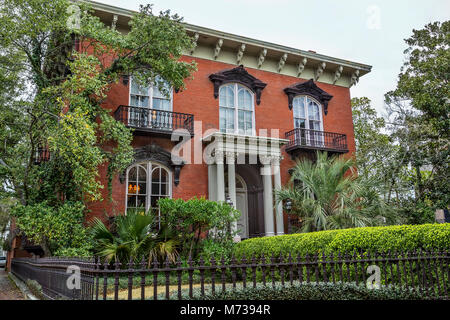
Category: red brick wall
[198,99]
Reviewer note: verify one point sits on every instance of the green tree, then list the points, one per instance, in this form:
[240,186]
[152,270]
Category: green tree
[328,194]
[54,229]
[419,115]
[51,96]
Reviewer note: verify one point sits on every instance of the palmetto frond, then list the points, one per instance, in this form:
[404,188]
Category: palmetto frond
[136,237]
[327,194]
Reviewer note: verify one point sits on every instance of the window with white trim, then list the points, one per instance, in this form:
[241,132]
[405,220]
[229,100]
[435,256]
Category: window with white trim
[236,109]
[146,102]
[308,115]
[147,182]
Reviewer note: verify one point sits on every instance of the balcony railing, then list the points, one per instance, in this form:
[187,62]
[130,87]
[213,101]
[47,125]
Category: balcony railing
[151,120]
[318,140]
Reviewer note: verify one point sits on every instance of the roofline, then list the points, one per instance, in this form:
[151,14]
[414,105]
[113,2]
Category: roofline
[242,39]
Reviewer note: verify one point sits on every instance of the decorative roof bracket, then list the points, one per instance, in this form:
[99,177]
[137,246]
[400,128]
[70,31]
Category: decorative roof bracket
[282,62]
[218,48]
[301,67]
[240,53]
[319,70]
[262,57]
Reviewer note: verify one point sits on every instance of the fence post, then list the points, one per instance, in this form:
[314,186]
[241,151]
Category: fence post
[142,266]
[254,266]
[155,271]
[116,279]
[130,279]
[324,267]
[291,269]
[244,264]
[213,275]
[105,279]
[167,274]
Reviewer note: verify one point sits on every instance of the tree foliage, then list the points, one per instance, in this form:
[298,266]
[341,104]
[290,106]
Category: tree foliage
[54,229]
[328,194]
[51,96]
[408,150]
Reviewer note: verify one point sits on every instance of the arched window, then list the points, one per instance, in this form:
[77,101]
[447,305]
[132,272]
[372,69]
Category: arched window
[236,107]
[147,183]
[308,116]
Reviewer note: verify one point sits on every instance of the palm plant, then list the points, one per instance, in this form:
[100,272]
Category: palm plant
[135,237]
[328,194]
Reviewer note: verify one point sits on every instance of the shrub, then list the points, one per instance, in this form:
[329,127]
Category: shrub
[395,238]
[54,228]
[136,237]
[194,218]
[216,249]
[306,291]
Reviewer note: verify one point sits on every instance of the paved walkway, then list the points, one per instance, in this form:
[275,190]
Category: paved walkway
[8,290]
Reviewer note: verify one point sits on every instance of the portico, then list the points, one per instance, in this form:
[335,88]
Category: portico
[257,159]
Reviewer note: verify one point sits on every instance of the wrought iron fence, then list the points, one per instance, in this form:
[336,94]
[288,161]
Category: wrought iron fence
[315,139]
[154,120]
[427,273]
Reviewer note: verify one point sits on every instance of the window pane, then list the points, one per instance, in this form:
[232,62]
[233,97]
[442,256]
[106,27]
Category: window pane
[299,123]
[138,89]
[226,96]
[313,111]
[299,107]
[132,176]
[244,99]
[154,202]
[156,174]
[164,175]
[164,189]
[159,94]
[155,188]
[241,123]
[230,119]
[314,125]
[131,203]
[139,101]
[222,119]
[230,97]
[142,188]
[141,201]
[142,174]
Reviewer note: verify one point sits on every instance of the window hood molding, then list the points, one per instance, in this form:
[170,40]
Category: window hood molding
[308,88]
[238,75]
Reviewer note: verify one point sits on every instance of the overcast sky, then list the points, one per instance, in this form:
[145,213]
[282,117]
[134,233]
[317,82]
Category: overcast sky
[369,32]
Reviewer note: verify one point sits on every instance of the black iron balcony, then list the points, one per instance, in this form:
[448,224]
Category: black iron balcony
[316,140]
[155,121]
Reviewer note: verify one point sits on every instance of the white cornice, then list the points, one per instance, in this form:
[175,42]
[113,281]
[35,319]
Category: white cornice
[275,51]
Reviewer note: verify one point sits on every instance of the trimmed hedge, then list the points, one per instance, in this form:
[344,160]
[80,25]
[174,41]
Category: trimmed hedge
[395,238]
[307,291]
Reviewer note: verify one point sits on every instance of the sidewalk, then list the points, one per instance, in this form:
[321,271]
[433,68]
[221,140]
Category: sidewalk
[8,290]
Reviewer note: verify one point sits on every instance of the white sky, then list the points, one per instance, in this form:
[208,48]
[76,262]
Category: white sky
[369,32]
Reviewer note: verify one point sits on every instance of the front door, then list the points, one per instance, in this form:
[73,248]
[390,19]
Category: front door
[241,205]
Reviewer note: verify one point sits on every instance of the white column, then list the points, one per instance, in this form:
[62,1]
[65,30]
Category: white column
[212,181]
[268,196]
[220,177]
[277,186]
[232,187]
